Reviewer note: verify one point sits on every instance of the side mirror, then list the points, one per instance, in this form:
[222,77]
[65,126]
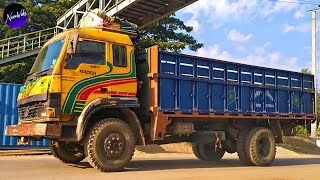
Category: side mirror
[71,49]
[73,40]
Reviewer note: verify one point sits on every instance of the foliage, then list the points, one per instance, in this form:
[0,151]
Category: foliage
[15,73]
[305,71]
[301,130]
[169,34]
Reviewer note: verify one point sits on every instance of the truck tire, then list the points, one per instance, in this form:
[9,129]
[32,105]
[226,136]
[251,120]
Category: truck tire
[207,152]
[211,153]
[230,146]
[110,145]
[196,152]
[67,152]
[241,150]
[260,146]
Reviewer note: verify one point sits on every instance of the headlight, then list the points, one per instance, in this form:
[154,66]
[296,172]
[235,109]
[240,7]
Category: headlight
[47,112]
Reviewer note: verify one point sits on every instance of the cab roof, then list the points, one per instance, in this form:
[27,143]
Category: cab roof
[98,34]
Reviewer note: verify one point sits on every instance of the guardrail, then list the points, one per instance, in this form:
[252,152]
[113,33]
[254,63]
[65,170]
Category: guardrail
[26,42]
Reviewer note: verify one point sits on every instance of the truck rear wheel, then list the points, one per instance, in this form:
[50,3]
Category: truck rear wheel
[230,146]
[195,149]
[207,152]
[260,147]
[67,152]
[110,145]
[241,140]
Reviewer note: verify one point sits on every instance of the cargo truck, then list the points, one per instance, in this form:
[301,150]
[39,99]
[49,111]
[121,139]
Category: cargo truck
[96,97]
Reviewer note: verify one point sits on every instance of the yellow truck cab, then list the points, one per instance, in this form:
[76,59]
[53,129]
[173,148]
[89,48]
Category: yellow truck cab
[76,67]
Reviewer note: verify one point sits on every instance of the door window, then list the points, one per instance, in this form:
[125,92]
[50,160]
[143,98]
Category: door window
[87,52]
[119,56]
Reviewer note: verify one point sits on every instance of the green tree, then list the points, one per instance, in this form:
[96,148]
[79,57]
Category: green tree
[305,71]
[169,34]
[15,73]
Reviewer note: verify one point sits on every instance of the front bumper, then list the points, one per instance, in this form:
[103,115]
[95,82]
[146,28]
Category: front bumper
[36,130]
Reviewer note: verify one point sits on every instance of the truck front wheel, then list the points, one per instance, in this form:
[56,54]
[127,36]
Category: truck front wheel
[260,147]
[110,145]
[67,152]
[207,152]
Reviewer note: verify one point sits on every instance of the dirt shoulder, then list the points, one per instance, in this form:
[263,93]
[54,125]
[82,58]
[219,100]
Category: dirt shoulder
[301,145]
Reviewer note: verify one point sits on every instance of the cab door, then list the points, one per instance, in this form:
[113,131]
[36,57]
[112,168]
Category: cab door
[85,75]
[123,75]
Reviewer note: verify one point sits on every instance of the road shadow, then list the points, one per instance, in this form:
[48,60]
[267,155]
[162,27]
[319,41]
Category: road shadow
[296,161]
[170,164]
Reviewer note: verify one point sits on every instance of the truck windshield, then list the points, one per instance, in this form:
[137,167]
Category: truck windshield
[47,57]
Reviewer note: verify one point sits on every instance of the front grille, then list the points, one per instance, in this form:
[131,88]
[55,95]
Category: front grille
[29,112]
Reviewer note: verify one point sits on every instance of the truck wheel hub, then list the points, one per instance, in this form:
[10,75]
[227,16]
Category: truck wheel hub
[263,147]
[114,145]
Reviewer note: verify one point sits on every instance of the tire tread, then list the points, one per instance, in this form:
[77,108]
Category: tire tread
[65,158]
[195,149]
[241,149]
[251,147]
[93,161]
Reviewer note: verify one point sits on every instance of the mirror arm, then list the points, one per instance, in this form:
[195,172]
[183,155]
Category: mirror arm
[69,55]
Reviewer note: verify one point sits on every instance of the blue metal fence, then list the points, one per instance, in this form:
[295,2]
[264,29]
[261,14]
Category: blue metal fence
[9,116]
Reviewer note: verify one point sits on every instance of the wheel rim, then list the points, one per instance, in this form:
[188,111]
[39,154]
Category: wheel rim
[263,147]
[114,146]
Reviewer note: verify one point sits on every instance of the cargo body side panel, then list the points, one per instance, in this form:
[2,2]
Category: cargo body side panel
[189,84]
[9,116]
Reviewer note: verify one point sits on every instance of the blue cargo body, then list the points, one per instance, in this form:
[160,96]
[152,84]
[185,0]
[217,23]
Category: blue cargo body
[190,84]
[9,116]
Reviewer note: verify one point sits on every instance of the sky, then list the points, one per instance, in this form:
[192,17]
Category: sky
[257,32]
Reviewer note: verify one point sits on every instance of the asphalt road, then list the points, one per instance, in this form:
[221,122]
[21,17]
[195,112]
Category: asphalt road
[166,166]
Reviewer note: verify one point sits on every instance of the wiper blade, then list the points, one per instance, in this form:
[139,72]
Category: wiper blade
[38,74]
[27,75]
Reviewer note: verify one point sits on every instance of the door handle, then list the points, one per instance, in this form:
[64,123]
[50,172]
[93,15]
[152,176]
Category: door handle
[103,90]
